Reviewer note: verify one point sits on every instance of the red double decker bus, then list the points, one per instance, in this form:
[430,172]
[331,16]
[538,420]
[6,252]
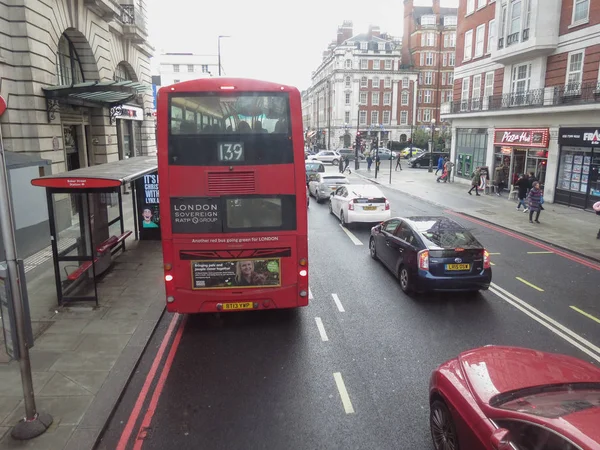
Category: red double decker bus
[232,195]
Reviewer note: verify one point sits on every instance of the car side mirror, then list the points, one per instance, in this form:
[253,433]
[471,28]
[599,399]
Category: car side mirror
[500,439]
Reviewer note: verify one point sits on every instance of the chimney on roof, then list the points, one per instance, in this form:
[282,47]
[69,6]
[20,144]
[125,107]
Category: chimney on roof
[344,32]
[408,30]
[436,7]
[374,31]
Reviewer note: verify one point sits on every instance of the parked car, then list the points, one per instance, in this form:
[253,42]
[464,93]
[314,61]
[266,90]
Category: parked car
[327,156]
[322,186]
[508,398]
[312,169]
[422,160]
[431,253]
[350,153]
[384,154]
[359,203]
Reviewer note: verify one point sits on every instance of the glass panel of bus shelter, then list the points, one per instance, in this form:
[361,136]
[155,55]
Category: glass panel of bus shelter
[230,129]
[73,240]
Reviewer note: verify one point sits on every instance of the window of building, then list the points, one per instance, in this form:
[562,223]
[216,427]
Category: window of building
[375,84]
[204,68]
[515,18]
[121,73]
[452,39]
[190,67]
[364,82]
[450,21]
[430,39]
[423,39]
[364,45]
[405,82]
[387,83]
[374,117]
[68,65]
[450,77]
[420,97]
[491,35]
[429,59]
[451,59]
[404,98]
[403,117]
[387,98]
[175,67]
[426,115]
[381,46]
[581,11]
[176,81]
[348,82]
[374,98]
[364,64]
[421,78]
[445,60]
[479,40]
[428,20]
[443,78]
[376,64]
[362,117]
[575,70]
[347,98]
[464,95]
[429,78]
[363,98]
[481,3]
[468,45]
[347,117]
[476,93]
[388,64]
[470,6]
[427,96]
[419,115]
[422,58]
[521,77]
[348,64]
[386,117]
[488,89]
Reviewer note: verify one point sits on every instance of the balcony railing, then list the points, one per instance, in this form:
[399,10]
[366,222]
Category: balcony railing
[134,23]
[500,43]
[512,38]
[571,94]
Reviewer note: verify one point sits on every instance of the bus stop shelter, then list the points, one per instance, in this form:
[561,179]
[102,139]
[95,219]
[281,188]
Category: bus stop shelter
[87,225]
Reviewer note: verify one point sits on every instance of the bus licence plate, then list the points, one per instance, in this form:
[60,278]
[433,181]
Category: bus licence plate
[240,305]
[458,266]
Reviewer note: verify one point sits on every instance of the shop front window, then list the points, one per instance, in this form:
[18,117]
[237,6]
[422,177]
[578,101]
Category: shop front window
[471,147]
[574,169]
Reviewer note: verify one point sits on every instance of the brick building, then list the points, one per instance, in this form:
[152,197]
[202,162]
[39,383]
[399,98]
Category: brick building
[526,90]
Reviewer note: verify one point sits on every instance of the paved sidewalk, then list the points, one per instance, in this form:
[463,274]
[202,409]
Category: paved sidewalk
[84,355]
[561,226]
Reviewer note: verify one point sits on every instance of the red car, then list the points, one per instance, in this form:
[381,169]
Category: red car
[510,398]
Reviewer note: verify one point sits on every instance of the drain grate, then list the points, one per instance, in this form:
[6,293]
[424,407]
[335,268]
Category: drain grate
[485,212]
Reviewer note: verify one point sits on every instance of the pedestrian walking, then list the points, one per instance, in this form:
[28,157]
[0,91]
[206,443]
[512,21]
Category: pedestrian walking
[475,180]
[444,175]
[369,162]
[522,185]
[346,164]
[440,165]
[535,200]
[341,165]
[499,179]
[398,162]
[596,208]
[377,162]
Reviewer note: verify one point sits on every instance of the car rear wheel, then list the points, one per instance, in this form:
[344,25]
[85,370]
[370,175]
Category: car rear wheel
[443,431]
[417,165]
[405,279]
[372,249]
[343,219]
[335,162]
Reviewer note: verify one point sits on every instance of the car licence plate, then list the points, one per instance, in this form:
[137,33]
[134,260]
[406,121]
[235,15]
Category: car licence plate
[369,208]
[236,306]
[458,266]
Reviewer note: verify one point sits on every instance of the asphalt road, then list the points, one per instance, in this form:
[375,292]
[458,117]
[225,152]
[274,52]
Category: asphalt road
[276,380]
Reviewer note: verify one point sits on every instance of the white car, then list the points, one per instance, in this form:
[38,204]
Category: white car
[322,185]
[327,156]
[359,203]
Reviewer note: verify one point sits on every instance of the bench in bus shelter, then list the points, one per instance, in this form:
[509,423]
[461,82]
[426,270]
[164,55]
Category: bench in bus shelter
[87,224]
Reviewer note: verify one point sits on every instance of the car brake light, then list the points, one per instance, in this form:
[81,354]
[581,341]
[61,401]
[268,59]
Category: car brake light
[486,260]
[387,205]
[351,205]
[423,258]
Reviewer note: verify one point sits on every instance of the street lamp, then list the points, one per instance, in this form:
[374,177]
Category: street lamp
[219,50]
[431,148]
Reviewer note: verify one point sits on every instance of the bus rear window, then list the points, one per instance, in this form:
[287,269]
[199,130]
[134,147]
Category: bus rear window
[254,213]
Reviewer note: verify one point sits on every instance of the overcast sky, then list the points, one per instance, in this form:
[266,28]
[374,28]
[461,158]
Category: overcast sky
[269,39]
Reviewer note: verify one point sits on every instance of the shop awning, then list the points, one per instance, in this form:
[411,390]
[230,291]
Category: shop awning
[102,176]
[108,94]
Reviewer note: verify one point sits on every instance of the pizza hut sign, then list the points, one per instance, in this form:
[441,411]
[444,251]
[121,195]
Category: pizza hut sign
[523,137]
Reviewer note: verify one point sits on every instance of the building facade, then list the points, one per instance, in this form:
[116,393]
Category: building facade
[76,77]
[359,87]
[526,89]
[177,67]
[428,47]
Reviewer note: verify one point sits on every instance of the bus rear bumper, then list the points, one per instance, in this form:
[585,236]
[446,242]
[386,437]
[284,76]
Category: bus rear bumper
[186,301]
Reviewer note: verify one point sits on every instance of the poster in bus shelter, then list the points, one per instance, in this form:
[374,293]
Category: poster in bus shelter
[243,273]
[148,209]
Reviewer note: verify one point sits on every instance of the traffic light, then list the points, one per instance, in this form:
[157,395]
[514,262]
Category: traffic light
[375,143]
[358,139]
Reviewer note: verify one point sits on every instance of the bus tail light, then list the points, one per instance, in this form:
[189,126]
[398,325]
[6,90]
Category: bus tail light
[303,272]
[486,260]
[351,205]
[303,262]
[168,266]
[170,299]
[387,205]
[303,293]
[423,258]
[228,88]
[168,277]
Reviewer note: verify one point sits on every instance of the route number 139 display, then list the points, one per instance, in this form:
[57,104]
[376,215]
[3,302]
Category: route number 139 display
[231,151]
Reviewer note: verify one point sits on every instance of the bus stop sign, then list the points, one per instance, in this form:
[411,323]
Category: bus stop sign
[2,105]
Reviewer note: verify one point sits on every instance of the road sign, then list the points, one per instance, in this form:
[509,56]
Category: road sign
[2,105]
